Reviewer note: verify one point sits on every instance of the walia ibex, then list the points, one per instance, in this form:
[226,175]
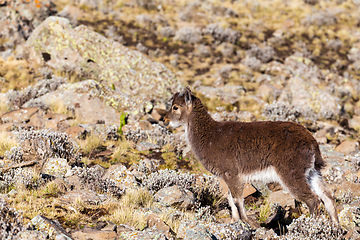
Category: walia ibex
[240,152]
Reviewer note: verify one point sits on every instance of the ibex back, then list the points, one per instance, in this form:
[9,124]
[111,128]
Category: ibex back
[239,152]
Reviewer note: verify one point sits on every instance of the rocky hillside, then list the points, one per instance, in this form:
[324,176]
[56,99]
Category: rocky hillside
[84,87]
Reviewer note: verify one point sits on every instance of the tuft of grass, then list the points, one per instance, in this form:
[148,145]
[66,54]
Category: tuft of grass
[170,160]
[90,144]
[121,149]
[57,106]
[49,190]
[129,209]
[18,74]
[125,153]
[265,211]
[6,142]
[4,107]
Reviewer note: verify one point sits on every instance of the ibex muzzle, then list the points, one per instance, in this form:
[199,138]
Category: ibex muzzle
[239,152]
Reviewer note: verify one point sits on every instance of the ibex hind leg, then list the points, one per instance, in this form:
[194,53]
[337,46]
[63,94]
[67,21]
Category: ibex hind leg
[234,209]
[300,188]
[318,186]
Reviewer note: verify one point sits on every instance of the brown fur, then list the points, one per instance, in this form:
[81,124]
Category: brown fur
[235,150]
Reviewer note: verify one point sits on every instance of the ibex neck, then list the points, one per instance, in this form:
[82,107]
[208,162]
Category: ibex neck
[199,124]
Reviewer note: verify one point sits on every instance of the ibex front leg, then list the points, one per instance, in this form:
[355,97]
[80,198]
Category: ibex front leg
[236,201]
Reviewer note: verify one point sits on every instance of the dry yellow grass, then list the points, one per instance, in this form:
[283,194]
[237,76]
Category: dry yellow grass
[4,107]
[129,209]
[6,142]
[18,74]
[90,144]
[57,106]
[122,147]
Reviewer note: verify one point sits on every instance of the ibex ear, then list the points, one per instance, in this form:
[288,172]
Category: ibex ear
[188,95]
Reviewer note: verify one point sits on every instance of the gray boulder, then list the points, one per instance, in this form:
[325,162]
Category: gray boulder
[89,54]
[91,101]
[49,227]
[309,100]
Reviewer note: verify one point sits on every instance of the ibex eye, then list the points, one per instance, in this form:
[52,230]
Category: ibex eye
[175,108]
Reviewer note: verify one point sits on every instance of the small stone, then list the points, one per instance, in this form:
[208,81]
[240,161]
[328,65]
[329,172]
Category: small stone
[86,196]
[77,132]
[109,227]
[282,198]
[347,146]
[355,123]
[31,235]
[146,146]
[155,220]
[175,196]
[121,175]
[49,227]
[147,234]
[248,190]
[56,167]
[19,116]
[156,115]
[194,231]
[95,234]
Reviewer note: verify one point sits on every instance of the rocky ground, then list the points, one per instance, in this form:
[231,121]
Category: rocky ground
[84,86]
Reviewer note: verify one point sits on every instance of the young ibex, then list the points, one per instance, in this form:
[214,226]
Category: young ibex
[240,152]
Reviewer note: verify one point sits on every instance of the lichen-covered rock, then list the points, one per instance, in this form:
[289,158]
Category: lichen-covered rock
[154,220]
[197,232]
[147,234]
[31,235]
[88,53]
[310,100]
[91,101]
[211,230]
[56,166]
[84,196]
[175,196]
[121,175]
[91,233]
[227,94]
[51,228]
[16,99]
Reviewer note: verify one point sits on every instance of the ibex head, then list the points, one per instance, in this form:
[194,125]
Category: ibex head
[180,108]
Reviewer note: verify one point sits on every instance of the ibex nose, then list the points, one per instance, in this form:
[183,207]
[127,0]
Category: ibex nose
[166,122]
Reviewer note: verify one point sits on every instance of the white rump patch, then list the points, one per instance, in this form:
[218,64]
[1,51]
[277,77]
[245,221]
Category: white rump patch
[267,175]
